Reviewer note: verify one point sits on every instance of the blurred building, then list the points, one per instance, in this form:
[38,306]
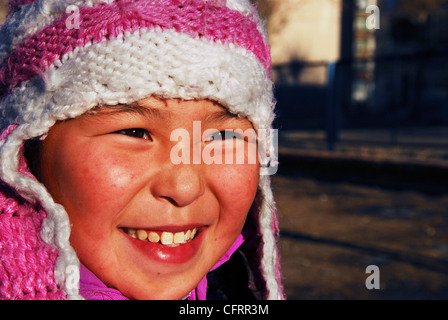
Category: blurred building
[392,76]
[3,10]
[411,84]
[304,32]
[364,50]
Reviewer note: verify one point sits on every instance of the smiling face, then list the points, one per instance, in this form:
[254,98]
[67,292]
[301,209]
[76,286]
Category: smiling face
[129,204]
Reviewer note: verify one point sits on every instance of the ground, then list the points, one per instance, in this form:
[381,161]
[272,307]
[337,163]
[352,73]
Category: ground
[332,231]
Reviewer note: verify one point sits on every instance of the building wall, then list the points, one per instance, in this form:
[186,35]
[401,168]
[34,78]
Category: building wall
[305,31]
[3,5]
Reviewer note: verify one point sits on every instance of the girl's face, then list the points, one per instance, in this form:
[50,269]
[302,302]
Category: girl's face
[144,225]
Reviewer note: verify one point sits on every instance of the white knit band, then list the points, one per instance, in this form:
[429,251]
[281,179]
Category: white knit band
[163,63]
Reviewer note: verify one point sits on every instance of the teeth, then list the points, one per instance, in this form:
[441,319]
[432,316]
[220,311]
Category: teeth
[179,238]
[142,235]
[187,235]
[132,233]
[153,237]
[165,238]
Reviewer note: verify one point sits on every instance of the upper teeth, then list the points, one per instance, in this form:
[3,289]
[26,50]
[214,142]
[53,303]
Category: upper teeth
[165,238]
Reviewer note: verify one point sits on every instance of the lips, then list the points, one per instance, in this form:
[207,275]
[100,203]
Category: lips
[167,245]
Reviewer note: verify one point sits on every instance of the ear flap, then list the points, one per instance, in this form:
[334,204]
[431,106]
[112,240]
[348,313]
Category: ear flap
[27,268]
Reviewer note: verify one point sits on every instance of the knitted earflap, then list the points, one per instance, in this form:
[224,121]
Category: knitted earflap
[26,261]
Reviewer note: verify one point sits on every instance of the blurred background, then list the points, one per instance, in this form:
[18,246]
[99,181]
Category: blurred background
[362,115]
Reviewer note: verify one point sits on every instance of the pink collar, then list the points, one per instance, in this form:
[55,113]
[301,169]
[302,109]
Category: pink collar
[92,288]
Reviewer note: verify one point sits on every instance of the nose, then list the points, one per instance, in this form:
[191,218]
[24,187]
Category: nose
[179,184]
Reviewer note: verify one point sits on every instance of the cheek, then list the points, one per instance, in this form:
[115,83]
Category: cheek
[235,187]
[106,175]
[93,186]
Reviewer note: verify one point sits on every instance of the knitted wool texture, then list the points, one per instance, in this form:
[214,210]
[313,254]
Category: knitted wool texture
[123,51]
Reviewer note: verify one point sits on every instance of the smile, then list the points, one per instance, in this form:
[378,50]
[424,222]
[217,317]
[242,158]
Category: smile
[167,244]
[165,238]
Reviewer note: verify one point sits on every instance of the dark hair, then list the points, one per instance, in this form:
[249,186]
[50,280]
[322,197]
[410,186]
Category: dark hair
[32,154]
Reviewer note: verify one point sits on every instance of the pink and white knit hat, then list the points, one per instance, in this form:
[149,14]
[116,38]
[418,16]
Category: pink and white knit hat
[123,51]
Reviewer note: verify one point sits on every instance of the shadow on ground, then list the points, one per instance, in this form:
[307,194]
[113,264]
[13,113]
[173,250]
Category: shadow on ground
[332,230]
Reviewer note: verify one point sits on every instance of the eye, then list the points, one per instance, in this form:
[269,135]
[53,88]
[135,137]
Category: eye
[223,135]
[135,133]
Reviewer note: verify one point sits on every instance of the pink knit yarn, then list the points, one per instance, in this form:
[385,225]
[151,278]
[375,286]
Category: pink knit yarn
[26,261]
[42,49]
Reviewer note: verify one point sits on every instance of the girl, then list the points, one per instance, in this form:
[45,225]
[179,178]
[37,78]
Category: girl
[95,204]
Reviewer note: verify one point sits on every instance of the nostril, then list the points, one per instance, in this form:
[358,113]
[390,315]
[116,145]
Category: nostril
[180,185]
[170,200]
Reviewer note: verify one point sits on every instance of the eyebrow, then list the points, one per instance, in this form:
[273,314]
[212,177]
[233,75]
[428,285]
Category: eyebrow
[223,115]
[132,108]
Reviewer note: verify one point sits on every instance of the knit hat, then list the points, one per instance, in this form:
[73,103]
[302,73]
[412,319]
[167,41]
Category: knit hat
[60,59]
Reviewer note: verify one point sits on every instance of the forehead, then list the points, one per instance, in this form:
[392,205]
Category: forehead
[166,110]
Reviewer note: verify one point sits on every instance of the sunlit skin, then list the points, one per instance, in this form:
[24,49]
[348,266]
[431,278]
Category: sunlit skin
[111,169]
